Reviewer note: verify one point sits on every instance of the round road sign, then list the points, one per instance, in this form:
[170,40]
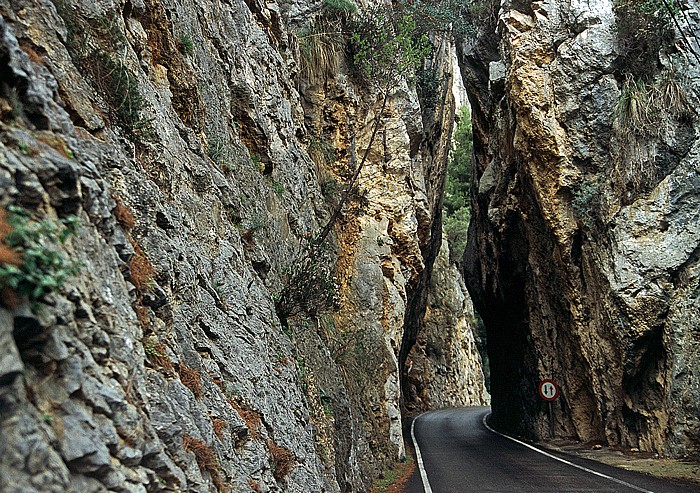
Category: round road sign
[549,391]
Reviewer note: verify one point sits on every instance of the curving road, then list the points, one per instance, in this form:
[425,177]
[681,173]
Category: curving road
[460,455]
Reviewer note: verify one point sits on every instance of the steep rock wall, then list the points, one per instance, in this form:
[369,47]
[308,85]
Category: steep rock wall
[180,135]
[444,366]
[583,251]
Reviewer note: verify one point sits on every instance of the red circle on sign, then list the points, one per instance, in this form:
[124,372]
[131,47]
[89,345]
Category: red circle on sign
[549,391]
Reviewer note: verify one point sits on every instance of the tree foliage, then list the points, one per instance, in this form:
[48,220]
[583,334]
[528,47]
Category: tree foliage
[456,205]
[386,46]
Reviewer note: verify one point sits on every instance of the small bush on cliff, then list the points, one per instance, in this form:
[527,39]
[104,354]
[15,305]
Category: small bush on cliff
[387,46]
[586,201]
[309,286]
[644,28]
[32,265]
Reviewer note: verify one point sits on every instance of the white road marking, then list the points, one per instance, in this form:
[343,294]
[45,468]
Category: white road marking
[419,459]
[591,471]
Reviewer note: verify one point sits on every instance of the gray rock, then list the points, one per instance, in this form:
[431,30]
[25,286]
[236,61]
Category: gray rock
[10,361]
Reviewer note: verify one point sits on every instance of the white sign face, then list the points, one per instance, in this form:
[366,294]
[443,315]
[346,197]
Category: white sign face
[548,390]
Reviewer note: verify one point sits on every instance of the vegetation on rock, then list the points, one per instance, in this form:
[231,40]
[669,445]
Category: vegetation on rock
[31,264]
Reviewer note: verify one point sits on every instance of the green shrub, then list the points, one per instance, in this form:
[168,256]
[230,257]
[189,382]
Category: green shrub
[94,44]
[339,8]
[586,198]
[428,84]
[459,168]
[387,47]
[120,89]
[456,226]
[185,44]
[439,16]
[42,268]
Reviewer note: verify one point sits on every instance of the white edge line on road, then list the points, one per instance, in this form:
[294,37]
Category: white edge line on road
[419,458]
[591,471]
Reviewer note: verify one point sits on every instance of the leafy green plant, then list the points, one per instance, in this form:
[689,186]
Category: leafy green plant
[25,149]
[440,16]
[42,268]
[428,84]
[185,44]
[456,226]
[277,188]
[330,187]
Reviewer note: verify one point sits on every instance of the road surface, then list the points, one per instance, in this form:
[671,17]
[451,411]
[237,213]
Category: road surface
[460,455]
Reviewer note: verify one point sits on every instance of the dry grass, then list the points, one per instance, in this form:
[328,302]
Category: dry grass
[55,142]
[141,269]
[31,52]
[206,459]
[395,479]
[8,297]
[143,315]
[158,356]
[124,216]
[321,46]
[191,379]
[283,460]
[219,426]
[255,486]
[252,418]
[645,112]
[7,254]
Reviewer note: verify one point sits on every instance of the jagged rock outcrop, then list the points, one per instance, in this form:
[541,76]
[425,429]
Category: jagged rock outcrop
[444,366]
[583,251]
[179,135]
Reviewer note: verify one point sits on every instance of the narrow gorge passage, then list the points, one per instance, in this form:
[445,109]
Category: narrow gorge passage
[233,254]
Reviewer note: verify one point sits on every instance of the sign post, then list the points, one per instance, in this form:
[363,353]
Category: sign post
[549,391]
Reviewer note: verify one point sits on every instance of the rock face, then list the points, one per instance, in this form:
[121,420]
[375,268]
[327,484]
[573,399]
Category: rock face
[444,366]
[583,251]
[199,161]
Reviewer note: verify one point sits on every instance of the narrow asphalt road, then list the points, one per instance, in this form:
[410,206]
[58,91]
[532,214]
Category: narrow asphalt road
[461,455]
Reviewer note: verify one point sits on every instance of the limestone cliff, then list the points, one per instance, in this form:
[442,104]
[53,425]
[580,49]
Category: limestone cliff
[583,251]
[198,156]
[444,366]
